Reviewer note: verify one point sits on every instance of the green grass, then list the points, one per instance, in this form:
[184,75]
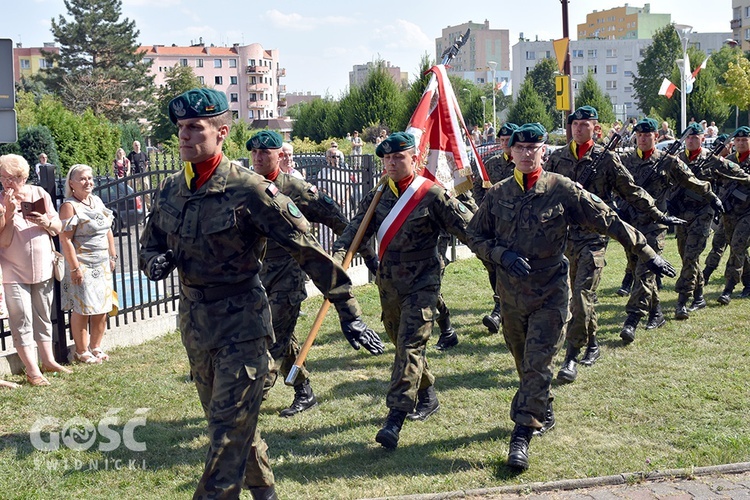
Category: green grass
[676,398]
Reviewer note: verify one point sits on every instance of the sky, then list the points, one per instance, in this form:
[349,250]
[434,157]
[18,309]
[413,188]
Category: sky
[320,41]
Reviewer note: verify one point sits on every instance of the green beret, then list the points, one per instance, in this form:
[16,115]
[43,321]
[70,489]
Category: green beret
[528,132]
[197,103]
[725,137]
[397,141]
[693,129]
[265,139]
[646,125]
[583,113]
[507,129]
[741,132]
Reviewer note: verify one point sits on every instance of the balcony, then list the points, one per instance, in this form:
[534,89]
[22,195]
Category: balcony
[258,70]
[257,87]
[282,89]
[282,102]
[735,24]
[259,104]
[280,72]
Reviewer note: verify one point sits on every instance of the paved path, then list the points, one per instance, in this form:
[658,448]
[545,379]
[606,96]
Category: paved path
[730,481]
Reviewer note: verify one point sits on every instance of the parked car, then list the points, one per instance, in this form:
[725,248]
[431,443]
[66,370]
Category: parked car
[118,196]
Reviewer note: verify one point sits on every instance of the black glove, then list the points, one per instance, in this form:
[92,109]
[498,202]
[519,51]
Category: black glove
[718,206]
[357,332]
[516,265]
[671,220]
[161,266]
[372,264]
[661,267]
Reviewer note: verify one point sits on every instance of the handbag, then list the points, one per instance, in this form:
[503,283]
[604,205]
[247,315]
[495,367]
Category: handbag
[115,304]
[58,262]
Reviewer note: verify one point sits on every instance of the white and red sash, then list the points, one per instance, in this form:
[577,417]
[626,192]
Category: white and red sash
[406,203]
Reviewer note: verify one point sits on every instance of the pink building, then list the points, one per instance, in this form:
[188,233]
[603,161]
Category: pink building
[28,61]
[249,75]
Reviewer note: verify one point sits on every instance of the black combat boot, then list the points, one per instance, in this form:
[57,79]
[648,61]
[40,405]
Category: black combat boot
[492,320]
[627,334]
[627,284]
[680,310]
[592,352]
[707,272]
[304,399]
[264,493]
[699,302]
[569,370]
[448,336]
[549,420]
[388,435]
[518,456]
[427,404]
[745,292]
[656,318]
[726,295]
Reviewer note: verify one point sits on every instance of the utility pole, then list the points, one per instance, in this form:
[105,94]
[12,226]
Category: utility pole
[566,65]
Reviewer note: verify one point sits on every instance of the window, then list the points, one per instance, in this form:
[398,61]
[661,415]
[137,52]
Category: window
[199,63]
[548,54]
[253,97]
[577,70]
[251,62]
[591,53]
[147,60]
[629,73]
[217,63]
[202,80]
[578,53]
[592,68]
[218,80]
[183,62]
[43,63]
[232,80]
[530,55]
[253,80]
[234,97]
[233,63]
[611,52]
[25,63]
[251,114]
[747,11]
[628,89]
[611,84]
[235,114]
[747,33]
[629,104]
[611,69]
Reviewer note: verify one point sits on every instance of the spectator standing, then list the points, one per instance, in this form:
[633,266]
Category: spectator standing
[26,262]
[383,135]
[43,162]
[139,165]
[356,150]
[89,248]
[664,133]
[476,135]
[121,165]
[287,163]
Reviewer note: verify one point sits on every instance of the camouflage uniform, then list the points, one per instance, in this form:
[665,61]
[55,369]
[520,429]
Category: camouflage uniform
[217,234]
[693,236]
[644,296]
[585,249]
[736,223]
[283,278]
[499,167]
[535,224]
[409,282]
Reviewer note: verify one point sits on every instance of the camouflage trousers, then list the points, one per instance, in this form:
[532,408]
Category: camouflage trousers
[586,266]
[534,313]
[644,296]
[691,241]
[738,235]
[718,245]
[408,321]
[230,387]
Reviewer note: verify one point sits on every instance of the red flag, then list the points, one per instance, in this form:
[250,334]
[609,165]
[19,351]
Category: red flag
[442,137]
[667,88]
[699,68]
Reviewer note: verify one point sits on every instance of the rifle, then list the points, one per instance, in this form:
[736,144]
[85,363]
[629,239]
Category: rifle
[592,167]
[447,55]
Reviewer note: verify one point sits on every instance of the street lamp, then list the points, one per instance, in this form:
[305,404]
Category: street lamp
[493,65]
[469,91]
[484,109]
[683,31]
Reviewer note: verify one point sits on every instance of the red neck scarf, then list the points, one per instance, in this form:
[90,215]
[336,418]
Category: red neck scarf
[646,154]
[205,169]
[692,155]
[273,175]
[404,183]
[742,157]
[527,181]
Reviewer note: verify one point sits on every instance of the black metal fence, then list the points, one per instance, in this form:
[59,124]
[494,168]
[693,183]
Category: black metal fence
[130,198]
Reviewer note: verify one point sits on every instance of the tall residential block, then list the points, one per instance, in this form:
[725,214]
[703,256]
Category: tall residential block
[622,23]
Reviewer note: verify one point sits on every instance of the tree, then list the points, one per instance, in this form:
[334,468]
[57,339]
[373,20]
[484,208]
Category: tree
[177,80]
[658,63]
[529,107]
[542,77]
[590,94]
[310,119]
[378,100]
[130,132]
[415,91]
[35,141]
[99,67]
[736,89]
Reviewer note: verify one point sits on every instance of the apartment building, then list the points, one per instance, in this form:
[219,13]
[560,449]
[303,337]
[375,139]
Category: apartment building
[28,61]
[621,23]
[249,75]
[359,73]
[484,57]
[740,23]
[613,63]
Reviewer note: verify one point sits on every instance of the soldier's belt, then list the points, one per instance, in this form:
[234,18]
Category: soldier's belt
[394,256]
[213,293]
[537,264]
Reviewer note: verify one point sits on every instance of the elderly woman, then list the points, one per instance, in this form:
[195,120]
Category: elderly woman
[26,260]
[89,248]
[121,164]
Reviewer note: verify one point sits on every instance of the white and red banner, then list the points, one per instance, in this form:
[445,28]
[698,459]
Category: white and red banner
[408,200]
[443,141]
[667,88]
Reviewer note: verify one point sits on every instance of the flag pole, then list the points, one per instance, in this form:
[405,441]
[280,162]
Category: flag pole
[447,55]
